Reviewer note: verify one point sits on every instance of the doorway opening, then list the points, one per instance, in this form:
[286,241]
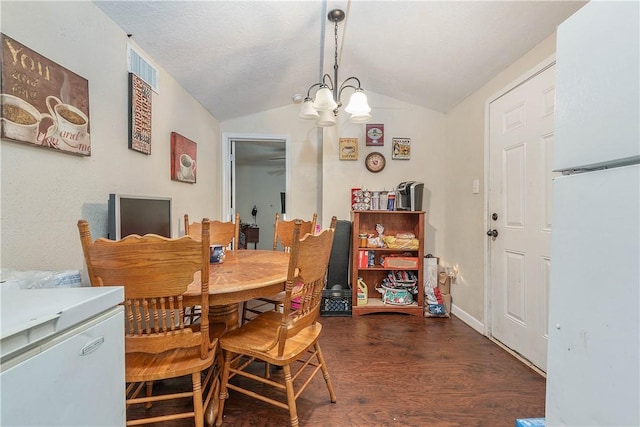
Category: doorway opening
[255,183]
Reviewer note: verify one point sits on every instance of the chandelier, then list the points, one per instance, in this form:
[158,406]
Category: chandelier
[325,107]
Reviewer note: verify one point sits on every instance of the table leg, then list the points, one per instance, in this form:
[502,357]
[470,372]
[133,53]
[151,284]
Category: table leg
[227,314]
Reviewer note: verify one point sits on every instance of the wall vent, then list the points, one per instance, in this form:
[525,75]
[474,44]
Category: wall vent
[142,68]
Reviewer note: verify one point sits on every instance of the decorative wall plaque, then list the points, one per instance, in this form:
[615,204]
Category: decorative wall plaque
[140,95]
[43,103]
[348,148]
[401,148]
[183,158]
[375,135]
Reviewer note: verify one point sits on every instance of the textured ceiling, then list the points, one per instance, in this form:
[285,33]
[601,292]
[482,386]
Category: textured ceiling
[243,57]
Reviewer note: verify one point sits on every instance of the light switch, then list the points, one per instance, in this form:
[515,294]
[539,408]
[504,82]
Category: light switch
[476,186]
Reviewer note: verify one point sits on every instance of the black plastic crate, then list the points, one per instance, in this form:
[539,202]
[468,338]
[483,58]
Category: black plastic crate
[336,302]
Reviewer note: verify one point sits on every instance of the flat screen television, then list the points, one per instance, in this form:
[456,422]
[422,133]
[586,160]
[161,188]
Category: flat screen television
[138,215]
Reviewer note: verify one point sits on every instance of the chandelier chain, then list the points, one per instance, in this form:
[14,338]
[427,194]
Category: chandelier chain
[335,56]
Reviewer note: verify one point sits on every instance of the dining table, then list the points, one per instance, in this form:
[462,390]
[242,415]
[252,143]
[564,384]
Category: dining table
[241,276]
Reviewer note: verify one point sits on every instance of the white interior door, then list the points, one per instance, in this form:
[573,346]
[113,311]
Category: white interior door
[520,156]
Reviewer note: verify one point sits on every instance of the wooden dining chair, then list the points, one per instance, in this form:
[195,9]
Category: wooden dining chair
[288,339]
[155,271]
[225,233]
[283,239]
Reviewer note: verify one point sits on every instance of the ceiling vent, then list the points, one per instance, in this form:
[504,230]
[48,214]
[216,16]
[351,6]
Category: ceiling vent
[142,68]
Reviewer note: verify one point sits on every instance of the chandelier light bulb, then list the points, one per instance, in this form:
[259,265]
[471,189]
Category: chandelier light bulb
[307,111]
[326,119]
[324,100]
[360,118]
[358,104]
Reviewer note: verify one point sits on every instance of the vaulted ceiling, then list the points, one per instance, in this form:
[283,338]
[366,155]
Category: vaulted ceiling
[243,57]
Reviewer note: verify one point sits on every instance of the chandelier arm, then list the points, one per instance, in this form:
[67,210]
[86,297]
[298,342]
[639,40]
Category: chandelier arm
[343,87]
[352,78]
[331,86]
[311,87]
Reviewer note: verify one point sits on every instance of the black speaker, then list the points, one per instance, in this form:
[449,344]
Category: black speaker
[338,273]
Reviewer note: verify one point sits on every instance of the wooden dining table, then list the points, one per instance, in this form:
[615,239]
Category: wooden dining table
[242,276]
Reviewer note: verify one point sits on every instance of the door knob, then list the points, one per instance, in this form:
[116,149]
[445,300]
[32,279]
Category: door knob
[492,233]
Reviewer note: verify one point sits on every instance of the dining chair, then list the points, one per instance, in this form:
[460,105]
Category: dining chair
[283,239]
[288,339]
[155,271]
[225,233]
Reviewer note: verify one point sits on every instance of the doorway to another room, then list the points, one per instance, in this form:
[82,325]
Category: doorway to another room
[256,182]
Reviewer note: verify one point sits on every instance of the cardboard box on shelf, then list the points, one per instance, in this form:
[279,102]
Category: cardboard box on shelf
[444,283]
[400,262]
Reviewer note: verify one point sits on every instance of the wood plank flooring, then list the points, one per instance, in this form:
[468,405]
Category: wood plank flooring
[400,370]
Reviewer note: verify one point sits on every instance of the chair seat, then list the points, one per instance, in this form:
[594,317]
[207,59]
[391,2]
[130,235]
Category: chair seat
[173,363]
[254,337]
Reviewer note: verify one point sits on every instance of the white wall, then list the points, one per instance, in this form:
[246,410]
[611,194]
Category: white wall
[45,193]
[465,212]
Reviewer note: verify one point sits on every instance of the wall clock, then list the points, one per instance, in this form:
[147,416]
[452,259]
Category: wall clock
[375,162]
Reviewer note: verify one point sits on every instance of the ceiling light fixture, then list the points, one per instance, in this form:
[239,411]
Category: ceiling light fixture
[326,105]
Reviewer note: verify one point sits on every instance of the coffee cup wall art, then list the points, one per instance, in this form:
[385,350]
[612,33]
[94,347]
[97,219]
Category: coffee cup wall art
[43,103]
[183,158]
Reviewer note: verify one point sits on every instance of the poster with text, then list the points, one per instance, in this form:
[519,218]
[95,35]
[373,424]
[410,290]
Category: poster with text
[348,148]
[401,148]
[375,135]
[43,103]
[140,96]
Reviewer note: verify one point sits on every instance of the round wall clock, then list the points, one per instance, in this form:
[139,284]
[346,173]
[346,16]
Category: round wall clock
[375,162]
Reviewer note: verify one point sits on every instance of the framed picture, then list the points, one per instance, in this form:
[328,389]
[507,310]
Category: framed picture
[139,114]
[375,135]
[183,158]
[401,148]
[43,103]
[348,148]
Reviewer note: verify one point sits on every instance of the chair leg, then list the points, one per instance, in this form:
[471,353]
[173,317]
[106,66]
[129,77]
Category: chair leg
[197,399]
[291,395]
[149,385]
[223,387]
[325,372]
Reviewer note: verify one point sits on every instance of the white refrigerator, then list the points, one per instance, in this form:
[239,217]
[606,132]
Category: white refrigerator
[62,357]
[593,375]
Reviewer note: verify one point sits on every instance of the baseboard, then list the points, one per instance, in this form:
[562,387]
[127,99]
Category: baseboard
[467,318]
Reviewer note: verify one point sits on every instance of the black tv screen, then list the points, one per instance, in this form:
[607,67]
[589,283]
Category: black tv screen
[138,215]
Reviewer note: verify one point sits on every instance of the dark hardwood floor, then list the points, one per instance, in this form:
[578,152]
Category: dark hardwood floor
[400,370]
